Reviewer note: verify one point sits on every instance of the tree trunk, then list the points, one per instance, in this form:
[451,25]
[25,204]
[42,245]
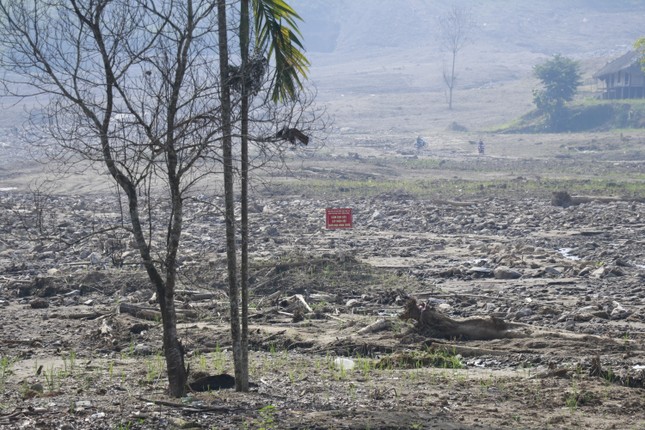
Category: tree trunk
[242,383]
[452,79]
[173,350]
[229,200]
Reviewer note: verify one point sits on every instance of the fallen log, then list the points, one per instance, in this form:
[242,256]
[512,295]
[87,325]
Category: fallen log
[374,327]
[151,314]
[140,312]
[196,295]
[564,199]
[454,203]
[80,315]
[432,323]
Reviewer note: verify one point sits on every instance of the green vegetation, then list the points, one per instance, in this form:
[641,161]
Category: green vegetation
[266,420]
[329,273]
[560,77]
[561,176]
[154,369]
[639,46]
[416,359]
[5,369]
[585,115]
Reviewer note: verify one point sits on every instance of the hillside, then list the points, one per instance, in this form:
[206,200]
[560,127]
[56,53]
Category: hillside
[379,67]
[587,116]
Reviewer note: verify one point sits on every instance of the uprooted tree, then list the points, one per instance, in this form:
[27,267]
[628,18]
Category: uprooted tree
[131,88]
[433,323]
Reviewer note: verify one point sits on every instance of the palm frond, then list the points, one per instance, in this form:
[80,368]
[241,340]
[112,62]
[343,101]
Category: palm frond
[277,33]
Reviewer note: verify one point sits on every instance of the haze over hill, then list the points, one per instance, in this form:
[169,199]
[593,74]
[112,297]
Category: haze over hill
[378,65]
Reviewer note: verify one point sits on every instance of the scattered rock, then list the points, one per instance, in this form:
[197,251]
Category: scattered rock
[39,303]
[506,273]
[619,313]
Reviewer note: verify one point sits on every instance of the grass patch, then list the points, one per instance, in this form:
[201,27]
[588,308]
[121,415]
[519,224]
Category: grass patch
[418,359]
[576,180]
[328,273]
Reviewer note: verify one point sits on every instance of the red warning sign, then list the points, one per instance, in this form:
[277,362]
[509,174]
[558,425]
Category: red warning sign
[338,218]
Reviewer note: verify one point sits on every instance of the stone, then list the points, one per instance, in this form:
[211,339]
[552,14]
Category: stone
[598,273]
[39,303]
[524,313]
[506,273]
[583,317]
[37,387]
[444,307]
[619,313]
[480,272]
[552,271]
[344,363]
[82,404]
[352,303]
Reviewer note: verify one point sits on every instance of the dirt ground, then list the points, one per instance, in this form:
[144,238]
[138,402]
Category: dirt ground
[466,235]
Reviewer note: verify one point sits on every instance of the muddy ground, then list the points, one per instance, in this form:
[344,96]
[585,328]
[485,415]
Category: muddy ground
[464,235]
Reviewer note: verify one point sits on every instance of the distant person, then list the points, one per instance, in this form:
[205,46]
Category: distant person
[420,143]
[481,148]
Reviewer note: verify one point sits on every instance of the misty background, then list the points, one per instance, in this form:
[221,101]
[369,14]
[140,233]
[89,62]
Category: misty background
[378,65]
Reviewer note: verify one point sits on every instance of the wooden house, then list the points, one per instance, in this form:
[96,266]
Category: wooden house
[623,77]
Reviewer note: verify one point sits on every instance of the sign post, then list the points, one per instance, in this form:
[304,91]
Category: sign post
[338,218]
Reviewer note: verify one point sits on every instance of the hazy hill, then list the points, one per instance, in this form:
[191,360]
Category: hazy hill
[378,65]
[543,26]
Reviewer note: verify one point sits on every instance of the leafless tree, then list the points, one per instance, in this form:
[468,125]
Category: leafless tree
[132,88]
[455,29]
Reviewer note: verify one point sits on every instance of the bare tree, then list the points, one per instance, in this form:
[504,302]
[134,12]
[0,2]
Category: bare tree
[455,29]
[130,89]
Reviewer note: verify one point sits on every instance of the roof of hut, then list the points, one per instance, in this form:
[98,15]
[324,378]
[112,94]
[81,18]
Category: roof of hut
[621,63]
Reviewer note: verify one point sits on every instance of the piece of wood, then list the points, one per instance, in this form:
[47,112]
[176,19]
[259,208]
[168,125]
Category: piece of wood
[80,315]
[564,199]
[203,296]
[270,298]
[185,408]
[334,317]
[213,382]
[140,312]
[288,314]
[454,203]
[435,324]
[379,325]
[198,295]
[299,300]
[105,329]
[151,314]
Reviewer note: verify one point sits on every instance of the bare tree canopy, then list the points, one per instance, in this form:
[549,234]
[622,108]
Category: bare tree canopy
[455,30]
[133,87]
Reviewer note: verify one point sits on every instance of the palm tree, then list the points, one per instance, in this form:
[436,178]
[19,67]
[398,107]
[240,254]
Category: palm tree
[277,35]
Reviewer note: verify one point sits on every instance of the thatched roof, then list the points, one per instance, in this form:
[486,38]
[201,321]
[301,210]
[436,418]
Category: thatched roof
[621,63]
